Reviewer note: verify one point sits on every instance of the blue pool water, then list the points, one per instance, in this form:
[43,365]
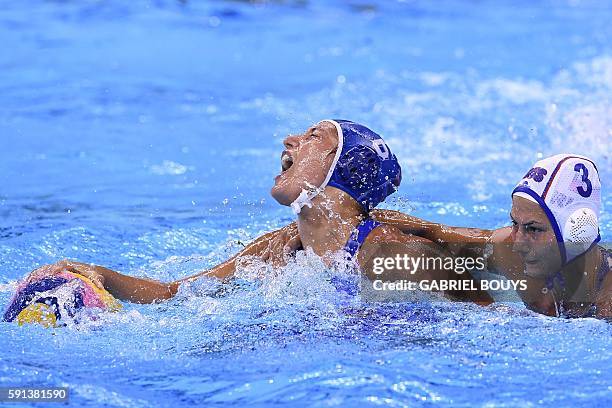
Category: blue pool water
[144,136]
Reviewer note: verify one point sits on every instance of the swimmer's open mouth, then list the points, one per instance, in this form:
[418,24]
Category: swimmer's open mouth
[286,161]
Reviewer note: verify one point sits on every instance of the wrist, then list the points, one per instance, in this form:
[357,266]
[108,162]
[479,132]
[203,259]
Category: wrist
[173,288]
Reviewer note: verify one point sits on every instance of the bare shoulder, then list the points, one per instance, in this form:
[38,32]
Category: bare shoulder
[503,259]
[382,214]
[501,235]
[386,240]
[386,233]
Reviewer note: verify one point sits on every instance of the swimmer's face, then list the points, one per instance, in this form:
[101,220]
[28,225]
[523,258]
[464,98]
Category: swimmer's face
[534,239]
[305,161]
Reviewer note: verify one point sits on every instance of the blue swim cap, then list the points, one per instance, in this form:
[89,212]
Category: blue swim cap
[363,167]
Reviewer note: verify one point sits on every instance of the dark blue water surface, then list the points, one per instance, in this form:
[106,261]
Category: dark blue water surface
[144,136]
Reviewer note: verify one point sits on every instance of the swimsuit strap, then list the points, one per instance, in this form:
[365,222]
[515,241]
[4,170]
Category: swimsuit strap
[359,235]
[604,268]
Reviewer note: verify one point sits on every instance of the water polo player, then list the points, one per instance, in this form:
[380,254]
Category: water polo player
[553,240]
[332,176]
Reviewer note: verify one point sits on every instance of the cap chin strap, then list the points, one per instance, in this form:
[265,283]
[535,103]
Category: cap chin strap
[305,199]
[306,196]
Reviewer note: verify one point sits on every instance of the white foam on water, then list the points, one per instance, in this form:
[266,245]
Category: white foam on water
[459,121]
[514,91]
[169,168]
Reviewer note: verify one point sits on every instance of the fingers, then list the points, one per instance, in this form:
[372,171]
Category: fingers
[67,266]
[293,243]
[265,256]
[281,246]
[47,270]
[84,270]
[276,249]
[38,273]
[58,267]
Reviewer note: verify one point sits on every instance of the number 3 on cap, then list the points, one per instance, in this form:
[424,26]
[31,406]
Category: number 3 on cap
[581,168]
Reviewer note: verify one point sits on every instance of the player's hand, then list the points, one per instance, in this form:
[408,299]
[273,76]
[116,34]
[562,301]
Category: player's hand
[284,244]
[88,271]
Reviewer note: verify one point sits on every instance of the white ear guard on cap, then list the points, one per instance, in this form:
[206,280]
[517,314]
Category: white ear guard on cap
[581,226]
[568,189]
[580,232]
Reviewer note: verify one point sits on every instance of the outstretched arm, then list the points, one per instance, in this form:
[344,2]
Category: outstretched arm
[460,241]
[122,287]
[390,244]
[269,247]
[473,242]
